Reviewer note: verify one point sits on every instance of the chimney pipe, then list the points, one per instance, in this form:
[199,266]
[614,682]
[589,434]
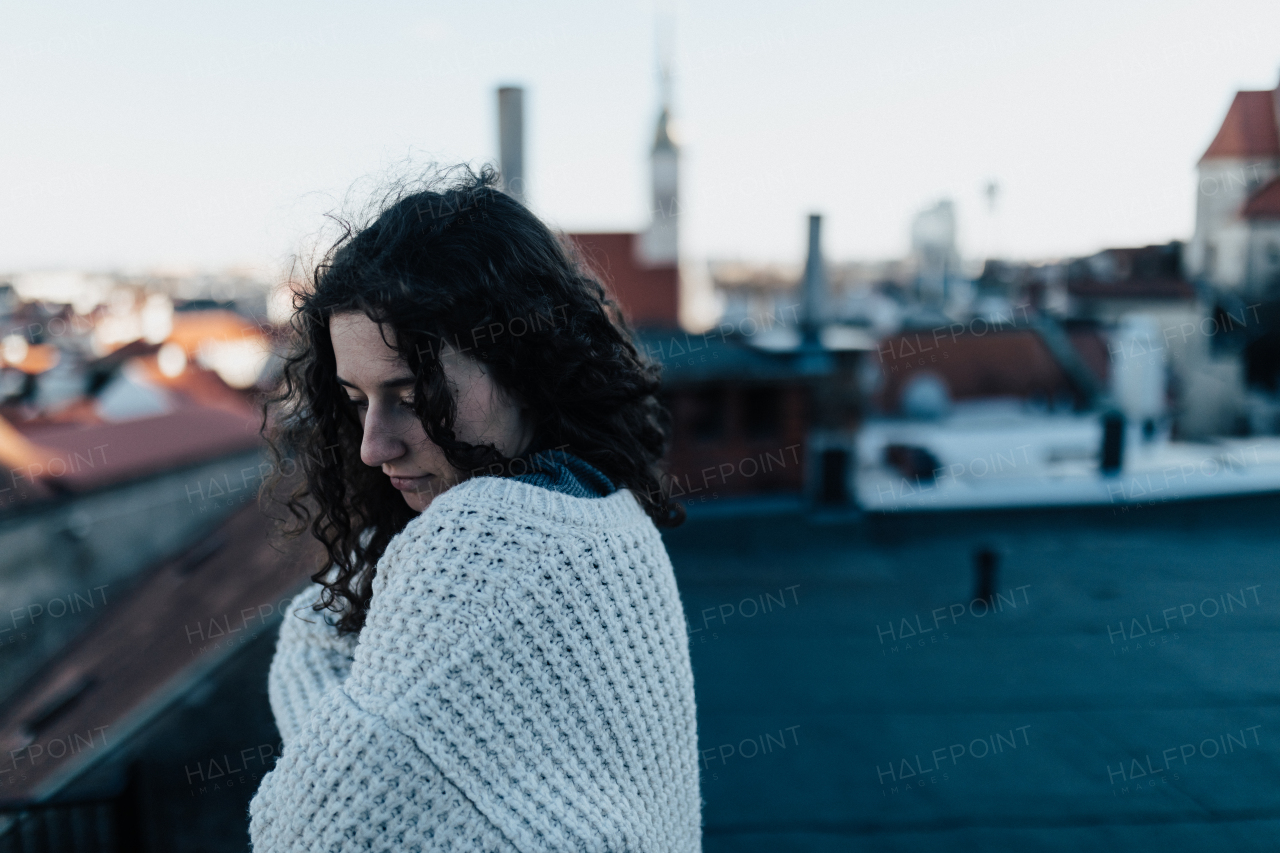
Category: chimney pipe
[815,285]
[1275,100]
[511,140]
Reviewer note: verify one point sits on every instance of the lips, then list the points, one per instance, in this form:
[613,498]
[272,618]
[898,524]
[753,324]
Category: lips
[412,484]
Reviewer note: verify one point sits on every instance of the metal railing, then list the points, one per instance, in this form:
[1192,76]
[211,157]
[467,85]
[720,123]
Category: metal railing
[85,826]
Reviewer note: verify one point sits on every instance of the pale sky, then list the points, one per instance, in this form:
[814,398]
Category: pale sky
[144,135]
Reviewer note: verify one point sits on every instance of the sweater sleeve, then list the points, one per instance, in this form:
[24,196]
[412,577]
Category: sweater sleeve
[348,780]
[310,658]
[353,783]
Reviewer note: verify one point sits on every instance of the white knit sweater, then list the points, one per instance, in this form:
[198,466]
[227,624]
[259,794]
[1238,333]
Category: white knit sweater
[522,683]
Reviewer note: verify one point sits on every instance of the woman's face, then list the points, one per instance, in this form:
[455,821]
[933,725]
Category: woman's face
[379,383]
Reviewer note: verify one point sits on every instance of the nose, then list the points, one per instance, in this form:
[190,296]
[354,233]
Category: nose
[381,442]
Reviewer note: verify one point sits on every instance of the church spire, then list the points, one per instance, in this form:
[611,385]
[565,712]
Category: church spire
[663,137]
[660,244]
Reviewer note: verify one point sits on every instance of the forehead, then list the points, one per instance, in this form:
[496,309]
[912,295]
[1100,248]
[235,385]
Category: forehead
[362,353]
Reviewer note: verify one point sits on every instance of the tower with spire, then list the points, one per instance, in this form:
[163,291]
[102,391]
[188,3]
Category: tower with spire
[659,245]
[641,268]
[1236,245]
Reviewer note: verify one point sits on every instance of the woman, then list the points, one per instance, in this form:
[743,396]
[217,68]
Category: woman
[493,656]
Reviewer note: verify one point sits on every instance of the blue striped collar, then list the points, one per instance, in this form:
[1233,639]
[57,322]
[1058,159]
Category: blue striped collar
[564,473]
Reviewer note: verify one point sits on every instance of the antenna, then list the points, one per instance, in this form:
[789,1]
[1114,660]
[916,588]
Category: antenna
[664,37]
[992,191]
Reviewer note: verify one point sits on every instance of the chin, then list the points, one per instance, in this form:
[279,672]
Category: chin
[418,501]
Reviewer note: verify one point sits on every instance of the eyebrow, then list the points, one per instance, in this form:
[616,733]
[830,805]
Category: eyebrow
[399,382]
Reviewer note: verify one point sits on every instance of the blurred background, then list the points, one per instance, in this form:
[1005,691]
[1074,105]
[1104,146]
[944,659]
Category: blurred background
[969,319]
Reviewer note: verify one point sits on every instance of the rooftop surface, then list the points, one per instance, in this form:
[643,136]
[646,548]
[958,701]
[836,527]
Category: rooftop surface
[1120,689]
[184,617]
[1100,703]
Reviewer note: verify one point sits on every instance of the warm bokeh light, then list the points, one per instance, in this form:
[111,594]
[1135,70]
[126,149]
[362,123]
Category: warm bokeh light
[172,359]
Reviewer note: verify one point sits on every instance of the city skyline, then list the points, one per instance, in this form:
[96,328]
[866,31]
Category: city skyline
[168,138]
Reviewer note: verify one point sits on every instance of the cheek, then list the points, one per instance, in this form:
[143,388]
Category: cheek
[415,439]
[488,419]
[474,420]
[413,433]
[426,455]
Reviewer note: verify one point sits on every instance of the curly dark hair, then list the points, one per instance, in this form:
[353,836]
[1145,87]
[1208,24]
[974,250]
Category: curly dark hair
[463,265]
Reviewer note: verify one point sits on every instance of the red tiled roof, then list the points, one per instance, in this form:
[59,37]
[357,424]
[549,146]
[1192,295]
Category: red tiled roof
[16,450]
[89,456]
[649,296]
[192,328]
[1093,350]
[39,358]
[182,618]
[18,454]
[1265,203]
[1249,130]
[1010,363]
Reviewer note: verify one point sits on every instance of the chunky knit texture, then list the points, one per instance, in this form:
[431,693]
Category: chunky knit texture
[522,683]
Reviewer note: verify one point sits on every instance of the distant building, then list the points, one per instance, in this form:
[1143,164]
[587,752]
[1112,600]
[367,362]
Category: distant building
[1236,246]
[1152,317]
[933,247]
[648,294]
[740,416]
[1235,252]
[660,244]
[1109,284]
[126,430]
[641,270]
[921,374]
[776,383]
[732,403]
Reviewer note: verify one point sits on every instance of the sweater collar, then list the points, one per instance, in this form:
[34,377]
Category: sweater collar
[616,511]
[562,472]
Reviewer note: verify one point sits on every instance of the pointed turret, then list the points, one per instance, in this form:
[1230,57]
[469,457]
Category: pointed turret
[660,243]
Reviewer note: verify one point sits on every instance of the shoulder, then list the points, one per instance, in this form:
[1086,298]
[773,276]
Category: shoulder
[490,515]
[498,499]
[474,540]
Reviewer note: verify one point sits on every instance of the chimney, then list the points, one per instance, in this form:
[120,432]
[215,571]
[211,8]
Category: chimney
[511,140]
[814,288]
[1275,100]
